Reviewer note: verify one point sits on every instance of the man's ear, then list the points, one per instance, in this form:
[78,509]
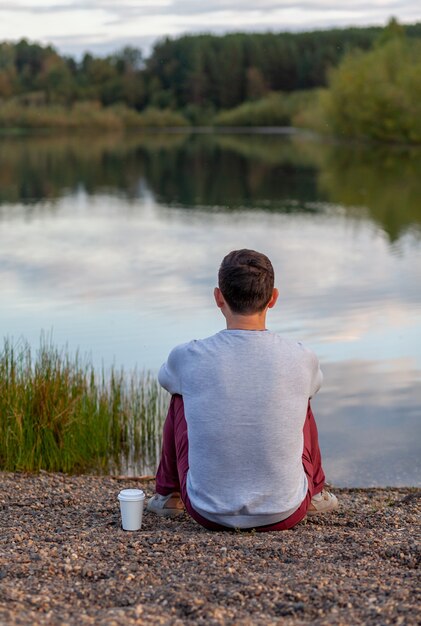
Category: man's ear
[219,298]
[272,301]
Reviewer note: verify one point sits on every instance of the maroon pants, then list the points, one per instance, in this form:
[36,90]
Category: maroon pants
[172,470]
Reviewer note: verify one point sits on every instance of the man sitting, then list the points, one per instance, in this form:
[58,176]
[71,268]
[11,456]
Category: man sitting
[240,445]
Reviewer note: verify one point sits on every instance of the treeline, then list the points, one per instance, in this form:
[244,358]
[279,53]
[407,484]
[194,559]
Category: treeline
[353,82]
[373,94]
[189,74]
[222,72]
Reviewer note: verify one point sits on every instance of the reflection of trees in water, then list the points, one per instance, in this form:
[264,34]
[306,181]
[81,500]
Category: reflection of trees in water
[229,173]
[47,167]
[222,171]
[386,181]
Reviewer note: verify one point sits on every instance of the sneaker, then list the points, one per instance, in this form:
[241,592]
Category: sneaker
[167,506]
[323,502]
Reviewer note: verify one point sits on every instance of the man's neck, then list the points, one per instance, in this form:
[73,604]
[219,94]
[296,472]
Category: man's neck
[247,322]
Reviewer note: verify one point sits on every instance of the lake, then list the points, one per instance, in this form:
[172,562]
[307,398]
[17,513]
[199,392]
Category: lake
[112,245]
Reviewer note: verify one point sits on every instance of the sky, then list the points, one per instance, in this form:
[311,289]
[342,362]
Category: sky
[103,26]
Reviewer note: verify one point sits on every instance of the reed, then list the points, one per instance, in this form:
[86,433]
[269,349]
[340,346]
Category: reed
[58,413]
[89,116]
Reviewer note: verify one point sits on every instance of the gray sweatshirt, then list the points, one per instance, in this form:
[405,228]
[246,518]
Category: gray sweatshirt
[245,400]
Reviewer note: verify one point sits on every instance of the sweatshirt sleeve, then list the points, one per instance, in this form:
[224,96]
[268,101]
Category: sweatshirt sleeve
[317,378]
[315,371]
[169,375]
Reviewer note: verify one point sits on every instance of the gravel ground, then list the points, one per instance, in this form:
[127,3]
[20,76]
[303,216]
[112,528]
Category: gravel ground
[64,559]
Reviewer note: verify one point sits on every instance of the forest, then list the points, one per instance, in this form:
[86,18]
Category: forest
[235,79]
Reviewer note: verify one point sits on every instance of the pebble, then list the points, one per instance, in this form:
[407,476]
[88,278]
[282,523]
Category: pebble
[64,559]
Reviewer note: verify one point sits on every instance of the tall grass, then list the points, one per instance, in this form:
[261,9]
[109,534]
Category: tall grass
[58,413]
[86,116]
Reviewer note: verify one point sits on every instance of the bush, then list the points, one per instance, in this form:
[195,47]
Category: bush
[377,94]
[276,109]
[312,114]
[160,118]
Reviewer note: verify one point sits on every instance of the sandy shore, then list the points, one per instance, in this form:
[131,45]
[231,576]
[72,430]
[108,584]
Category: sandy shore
[64,559]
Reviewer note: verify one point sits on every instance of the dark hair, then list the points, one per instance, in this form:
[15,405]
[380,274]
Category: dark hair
[246,280]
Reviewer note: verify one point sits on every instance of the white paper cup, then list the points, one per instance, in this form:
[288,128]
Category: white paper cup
[131,507]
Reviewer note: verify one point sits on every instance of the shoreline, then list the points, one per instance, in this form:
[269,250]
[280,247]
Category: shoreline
[65,559]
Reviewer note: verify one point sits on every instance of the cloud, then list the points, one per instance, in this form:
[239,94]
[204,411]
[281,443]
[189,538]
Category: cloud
[104,25]
[192,7]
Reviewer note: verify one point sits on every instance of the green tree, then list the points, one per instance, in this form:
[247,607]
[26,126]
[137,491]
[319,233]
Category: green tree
[393,30]
[377,94]
[7,70]
[128,60]
[55,79]
[256,84]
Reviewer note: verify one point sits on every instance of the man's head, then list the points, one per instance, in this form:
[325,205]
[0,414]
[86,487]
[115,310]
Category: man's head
[246,281]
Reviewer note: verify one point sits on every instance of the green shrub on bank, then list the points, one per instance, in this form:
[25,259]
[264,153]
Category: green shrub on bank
[58,414]
[161,118]
[85,115]
[312,113]
[377,94]
[276,109]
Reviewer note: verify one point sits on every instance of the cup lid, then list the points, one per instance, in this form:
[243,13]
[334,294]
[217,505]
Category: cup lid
[131,494]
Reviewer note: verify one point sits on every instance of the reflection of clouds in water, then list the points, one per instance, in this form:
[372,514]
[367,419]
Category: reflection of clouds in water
[135,248]
[368,415]
[342,287]
[337,282]
[356,324]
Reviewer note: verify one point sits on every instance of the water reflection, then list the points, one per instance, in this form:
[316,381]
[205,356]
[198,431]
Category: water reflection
[385,181]
[114,244]
[368,416]
[227,172]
